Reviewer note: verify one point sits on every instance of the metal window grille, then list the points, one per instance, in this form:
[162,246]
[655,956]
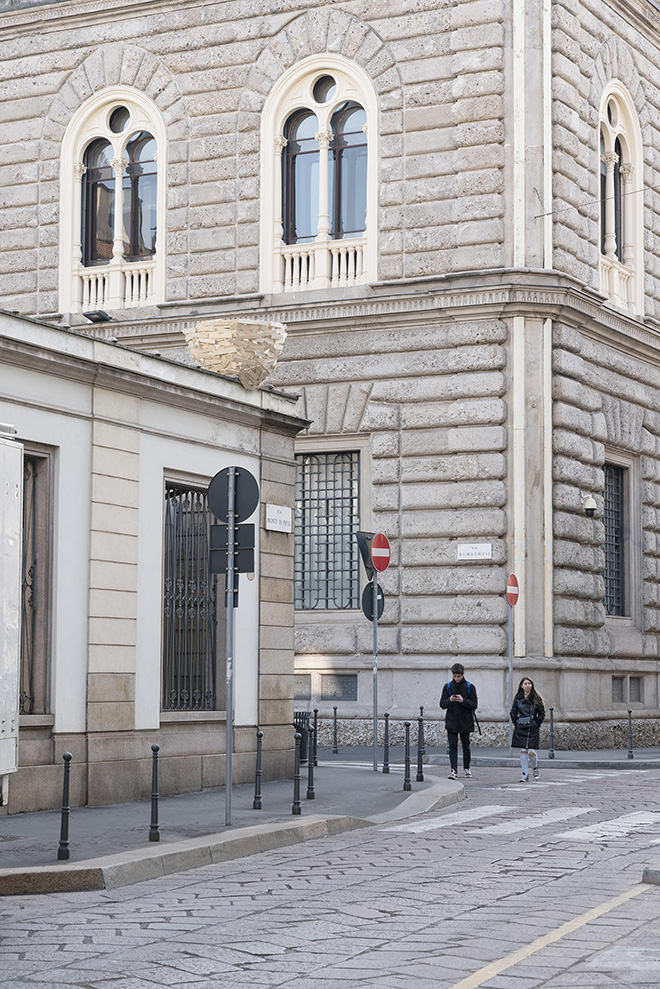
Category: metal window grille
[327,518]
[614,520]
[302,687]
[28,595]
[190,605]
[636,693]
[339,687]
[618,690]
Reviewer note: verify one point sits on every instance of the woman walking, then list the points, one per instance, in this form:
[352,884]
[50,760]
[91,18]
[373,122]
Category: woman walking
[527,714]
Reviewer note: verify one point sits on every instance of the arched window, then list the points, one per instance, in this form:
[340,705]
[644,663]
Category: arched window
[319,182]
[621,218]
[113,204]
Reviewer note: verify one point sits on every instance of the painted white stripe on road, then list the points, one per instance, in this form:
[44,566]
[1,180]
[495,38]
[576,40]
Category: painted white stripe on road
[449,820]
[535,821]
[618,827]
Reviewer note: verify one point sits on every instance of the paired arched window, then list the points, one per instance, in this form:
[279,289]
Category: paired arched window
[319,183]
[113,206]
[620,201]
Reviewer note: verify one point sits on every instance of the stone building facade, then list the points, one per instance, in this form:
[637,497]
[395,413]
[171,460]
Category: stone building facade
[483,346]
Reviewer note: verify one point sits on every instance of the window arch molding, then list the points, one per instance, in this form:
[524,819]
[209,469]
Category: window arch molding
[121,283]
[327,262]
[621,168]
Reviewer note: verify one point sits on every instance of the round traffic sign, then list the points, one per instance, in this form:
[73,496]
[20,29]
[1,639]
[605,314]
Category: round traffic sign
[246,496]
[512,589]
[380,552]
[368,601]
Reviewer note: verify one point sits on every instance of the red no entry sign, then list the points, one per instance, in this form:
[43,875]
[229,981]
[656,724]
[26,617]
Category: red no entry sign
[512,589]
[380,552]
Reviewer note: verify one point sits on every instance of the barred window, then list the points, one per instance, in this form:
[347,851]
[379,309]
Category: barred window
[327,519]
[190,614]
[614,521]
[35,592]
[339,687]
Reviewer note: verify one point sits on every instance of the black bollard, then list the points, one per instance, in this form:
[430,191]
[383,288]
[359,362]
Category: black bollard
[63,850]
[630,748]
[420,750]
[154,833]
[386,748]
[551,749]
[296,778]
[310,766]
[316,736]
[256,803]
[335,747]
[407,785]
[421,715]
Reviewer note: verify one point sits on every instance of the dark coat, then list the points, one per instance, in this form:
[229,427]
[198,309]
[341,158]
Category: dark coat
[459,716]
[527,738]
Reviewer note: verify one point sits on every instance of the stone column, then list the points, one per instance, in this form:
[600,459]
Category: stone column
[278,229]
[322,255]
[116,287]
[610,160]
[76,254]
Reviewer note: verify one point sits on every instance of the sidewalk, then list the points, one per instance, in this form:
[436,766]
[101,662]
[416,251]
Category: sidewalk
[109,846]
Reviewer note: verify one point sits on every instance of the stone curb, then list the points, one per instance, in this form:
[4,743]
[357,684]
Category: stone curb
[651,875]
[440,760]
[138,865]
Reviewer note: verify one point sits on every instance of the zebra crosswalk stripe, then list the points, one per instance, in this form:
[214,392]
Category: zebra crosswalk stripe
[533,821]
[618,827]
[450,820]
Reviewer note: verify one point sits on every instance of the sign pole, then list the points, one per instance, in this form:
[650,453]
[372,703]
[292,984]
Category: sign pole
[510,674]
[231,526]
[375,666]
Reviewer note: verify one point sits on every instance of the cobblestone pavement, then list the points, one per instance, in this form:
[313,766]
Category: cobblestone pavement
[518,887]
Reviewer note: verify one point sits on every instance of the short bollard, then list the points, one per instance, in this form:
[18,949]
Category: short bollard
[316,736]
[256,803]
[63,850]
[335,747]
[296,779]
[154,833]
[386,747]
[421,715]
[407,785]
[551,748]
[420,750]
[630,747]
[310,765]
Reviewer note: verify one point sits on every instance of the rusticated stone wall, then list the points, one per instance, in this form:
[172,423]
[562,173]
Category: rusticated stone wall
[437,69]
[593,44]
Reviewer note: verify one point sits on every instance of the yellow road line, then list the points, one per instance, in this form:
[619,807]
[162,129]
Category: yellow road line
[495,968]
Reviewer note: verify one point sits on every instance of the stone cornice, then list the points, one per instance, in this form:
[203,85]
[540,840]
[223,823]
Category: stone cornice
[50,17]
[642,14]
[534,295]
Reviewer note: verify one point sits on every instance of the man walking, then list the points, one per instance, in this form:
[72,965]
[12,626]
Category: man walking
[459,700]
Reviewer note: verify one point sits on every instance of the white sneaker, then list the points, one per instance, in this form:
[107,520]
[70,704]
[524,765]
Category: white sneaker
[453,774]
[466,772]
[524,778]
[535,773]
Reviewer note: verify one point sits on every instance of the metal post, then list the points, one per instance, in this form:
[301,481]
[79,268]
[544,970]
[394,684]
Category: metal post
[335,747]
[231,534]
[407,785]
[296,778]
[316,736]
[256,803]
[421,714]
[310,764]
[63,850]
[510,675]
[375,665]
[420,743]
[630,747]
[154,833]
[386,747]
[551,750]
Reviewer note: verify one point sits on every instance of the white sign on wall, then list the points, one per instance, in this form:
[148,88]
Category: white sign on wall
[475,551]
[278,518]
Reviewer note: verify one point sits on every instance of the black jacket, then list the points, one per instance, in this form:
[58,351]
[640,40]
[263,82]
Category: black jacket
[524,738]
[459,715]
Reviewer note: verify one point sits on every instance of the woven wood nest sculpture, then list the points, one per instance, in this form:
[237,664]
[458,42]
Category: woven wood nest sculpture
[246,349]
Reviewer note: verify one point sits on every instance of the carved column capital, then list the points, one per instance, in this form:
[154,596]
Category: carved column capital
[280,143]
[119,164]
[627,170]
[79,170]
[610,160]
[324,137]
